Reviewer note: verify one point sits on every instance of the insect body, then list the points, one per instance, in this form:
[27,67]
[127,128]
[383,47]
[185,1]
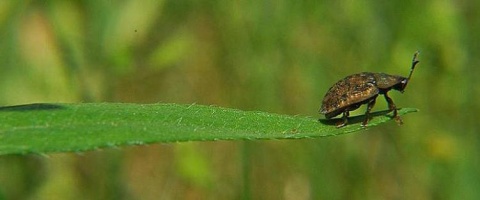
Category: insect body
[351,92]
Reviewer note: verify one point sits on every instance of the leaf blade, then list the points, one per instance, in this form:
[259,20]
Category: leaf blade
[44,128]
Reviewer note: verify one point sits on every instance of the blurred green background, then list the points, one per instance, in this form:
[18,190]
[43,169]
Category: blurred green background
[275,56]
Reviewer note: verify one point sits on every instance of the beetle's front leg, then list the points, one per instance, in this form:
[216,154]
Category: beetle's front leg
[392,107]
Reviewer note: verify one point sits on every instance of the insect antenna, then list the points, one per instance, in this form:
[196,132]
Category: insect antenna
[415,61]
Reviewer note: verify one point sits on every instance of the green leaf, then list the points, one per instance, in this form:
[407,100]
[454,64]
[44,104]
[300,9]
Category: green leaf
[44,128]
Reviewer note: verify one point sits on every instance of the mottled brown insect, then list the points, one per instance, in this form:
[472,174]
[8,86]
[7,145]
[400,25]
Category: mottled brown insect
[351,92]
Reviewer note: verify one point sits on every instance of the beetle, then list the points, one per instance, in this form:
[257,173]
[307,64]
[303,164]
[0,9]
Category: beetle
[355,90]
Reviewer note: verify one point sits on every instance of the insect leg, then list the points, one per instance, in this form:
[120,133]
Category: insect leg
[346,113]
[392,107]
[370,105]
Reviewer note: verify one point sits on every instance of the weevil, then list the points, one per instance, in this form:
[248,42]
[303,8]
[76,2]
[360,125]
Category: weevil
[355,90]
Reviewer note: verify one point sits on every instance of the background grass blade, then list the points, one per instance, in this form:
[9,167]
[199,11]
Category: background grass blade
[43,128]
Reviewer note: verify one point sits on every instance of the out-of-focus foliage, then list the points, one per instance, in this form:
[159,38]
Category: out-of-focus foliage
[274,56]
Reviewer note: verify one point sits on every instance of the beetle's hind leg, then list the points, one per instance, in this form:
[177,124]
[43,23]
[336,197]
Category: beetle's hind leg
[345,115]
[392,107]
[370,105]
